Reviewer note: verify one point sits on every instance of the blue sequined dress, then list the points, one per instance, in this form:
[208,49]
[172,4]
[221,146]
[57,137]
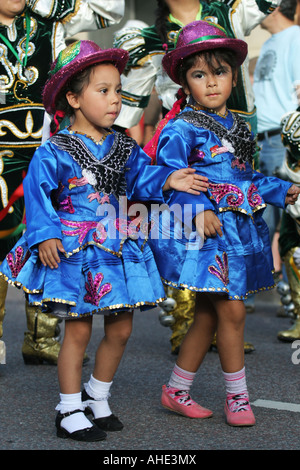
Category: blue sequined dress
[75,190]
[240,262]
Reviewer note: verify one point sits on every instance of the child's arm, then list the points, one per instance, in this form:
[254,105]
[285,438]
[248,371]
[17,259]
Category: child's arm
[42,221]
[186,180]
[273,190]
[148,182]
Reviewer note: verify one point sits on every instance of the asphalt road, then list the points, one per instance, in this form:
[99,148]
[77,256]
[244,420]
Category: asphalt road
[29,394]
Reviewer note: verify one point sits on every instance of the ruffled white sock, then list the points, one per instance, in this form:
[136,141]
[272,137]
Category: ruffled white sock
[75,422]
[99,391]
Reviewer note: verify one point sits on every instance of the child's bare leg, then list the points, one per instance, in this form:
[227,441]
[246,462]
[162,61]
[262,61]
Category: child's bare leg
[230,332]
[76,338]
[109,354]
[230,341]
[192,352]
[117,329]
[198,339]
[71,417]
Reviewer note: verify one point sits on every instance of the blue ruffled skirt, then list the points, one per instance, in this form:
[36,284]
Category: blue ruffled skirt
[89,281]
[237,264]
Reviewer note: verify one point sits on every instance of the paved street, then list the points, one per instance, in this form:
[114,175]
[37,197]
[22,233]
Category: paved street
[29,394]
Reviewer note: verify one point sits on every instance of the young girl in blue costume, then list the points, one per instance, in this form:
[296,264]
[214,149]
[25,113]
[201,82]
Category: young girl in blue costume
[79,255]
[235,258]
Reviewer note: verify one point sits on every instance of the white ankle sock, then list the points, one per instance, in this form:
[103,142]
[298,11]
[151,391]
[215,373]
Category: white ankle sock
[76,421]
[235,382]
[181,379]
[99,391]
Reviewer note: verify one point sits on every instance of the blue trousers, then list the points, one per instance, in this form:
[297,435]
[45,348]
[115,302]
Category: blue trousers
[271,157]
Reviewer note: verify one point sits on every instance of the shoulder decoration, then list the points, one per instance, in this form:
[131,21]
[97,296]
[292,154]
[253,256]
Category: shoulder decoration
[239,135]
[105,175]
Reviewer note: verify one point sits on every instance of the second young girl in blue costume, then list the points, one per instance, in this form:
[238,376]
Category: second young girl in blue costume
[235,259]
[80,255]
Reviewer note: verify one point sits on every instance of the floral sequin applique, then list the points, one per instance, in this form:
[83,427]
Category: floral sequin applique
[234,195]
[81,229]
[17,260]
[253,197]
[237,164]
[66,205]
[127,227]
[94,291]
[223,272]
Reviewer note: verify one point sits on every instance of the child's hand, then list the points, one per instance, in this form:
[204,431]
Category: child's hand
[208,224]
[48,252]
[292,194]
[186,180]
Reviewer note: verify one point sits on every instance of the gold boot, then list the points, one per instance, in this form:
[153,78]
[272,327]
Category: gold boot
[183,316]
[3,292]
[40,341]
[292,333]
[248,347]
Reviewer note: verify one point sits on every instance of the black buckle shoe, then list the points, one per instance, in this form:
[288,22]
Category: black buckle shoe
[108,423]
[91,434]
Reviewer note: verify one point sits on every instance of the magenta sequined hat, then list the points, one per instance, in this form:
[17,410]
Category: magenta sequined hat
[74,58]
[200,36]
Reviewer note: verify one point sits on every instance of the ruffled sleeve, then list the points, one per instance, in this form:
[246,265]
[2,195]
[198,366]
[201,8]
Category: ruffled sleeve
[145,181]
[272,189]
[175,145]
[42,220]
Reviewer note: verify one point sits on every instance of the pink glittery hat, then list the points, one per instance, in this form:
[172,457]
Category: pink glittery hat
[201,36]
[74,58]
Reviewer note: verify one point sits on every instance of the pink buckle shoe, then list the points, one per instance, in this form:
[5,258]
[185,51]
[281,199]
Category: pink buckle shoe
[238,411]
[181,402]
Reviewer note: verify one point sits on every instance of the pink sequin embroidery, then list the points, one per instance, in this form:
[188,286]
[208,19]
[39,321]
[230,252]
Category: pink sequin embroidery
[234,195]
[238,164]
[16,260]
[128,227]
[100,235]
[253,197]
[81,229]
[223,272]
[66,205]
[94,295]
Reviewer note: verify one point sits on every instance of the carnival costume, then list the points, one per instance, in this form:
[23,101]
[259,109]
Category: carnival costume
[289,240]
[75,191]
[28,47]
[220,147]
[144,71]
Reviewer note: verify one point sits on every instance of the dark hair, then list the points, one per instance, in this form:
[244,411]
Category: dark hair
[161,13]
[76,84]
[288,8]
[211,56]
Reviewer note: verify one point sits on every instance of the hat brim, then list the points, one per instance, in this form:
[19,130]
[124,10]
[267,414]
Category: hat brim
[55,84]
[171,61]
